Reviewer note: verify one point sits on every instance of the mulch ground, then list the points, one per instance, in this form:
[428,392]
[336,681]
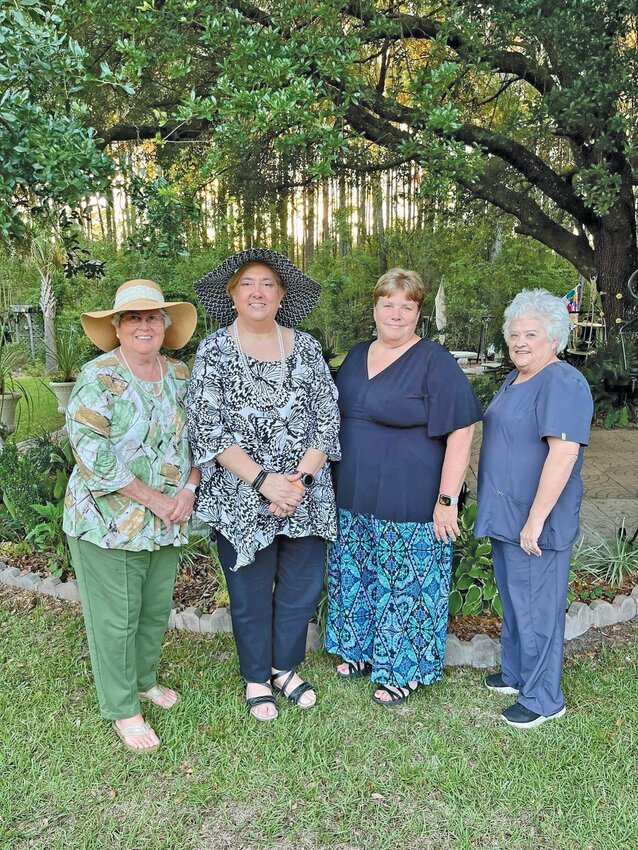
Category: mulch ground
[592,645]
[197,586]
[482,624]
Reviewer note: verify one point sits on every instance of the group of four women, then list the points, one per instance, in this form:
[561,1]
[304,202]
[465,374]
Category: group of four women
[260,441]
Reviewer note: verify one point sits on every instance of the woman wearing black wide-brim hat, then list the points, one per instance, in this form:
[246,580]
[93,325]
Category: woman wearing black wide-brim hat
[263,423]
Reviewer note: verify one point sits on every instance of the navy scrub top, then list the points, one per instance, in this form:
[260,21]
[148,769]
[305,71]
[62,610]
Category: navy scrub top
[556,402]
[394,428]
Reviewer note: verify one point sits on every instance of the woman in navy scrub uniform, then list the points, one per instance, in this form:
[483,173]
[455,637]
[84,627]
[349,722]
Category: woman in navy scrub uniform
[529,497]
[407,418]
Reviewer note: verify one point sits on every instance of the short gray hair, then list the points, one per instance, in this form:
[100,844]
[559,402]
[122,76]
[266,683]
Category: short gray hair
[117,318]
[549,309]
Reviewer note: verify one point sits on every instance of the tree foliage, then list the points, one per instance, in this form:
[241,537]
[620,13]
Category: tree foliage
[48,150]
[527,104]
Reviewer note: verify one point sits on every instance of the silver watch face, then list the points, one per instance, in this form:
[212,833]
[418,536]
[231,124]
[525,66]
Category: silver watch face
[307,479]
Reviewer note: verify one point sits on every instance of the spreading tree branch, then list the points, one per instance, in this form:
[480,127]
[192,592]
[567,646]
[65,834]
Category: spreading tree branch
[534,222]
[427,28]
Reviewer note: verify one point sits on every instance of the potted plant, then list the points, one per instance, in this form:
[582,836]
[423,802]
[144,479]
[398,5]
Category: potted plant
[12,358]
[70,357]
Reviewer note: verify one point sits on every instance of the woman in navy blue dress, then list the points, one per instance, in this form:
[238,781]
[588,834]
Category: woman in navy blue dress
[407,419]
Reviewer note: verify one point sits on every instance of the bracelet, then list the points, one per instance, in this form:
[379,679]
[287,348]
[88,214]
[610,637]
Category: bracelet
[261,477]
[192,487]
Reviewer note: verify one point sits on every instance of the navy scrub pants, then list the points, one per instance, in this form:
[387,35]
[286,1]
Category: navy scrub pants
[272,601]
[533,592]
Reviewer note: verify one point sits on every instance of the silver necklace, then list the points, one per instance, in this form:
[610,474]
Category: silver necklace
[156,386]
[265,396]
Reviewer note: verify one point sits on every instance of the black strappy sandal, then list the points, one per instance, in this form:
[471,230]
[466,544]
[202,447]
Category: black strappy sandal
[356,670]
[294,695]
[398,695]
[263,699]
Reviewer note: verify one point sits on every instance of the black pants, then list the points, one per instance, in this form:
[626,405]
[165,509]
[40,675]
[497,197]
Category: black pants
[272,601]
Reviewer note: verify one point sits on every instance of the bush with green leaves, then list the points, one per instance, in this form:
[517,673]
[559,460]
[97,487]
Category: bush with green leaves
[24,483]
[71,353]
[11,532]
[609,374]
[612,561]
[486,386]
[474,587]
[48,536]
[31,478]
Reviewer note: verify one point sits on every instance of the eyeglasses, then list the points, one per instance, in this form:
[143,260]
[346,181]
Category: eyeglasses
[134,319]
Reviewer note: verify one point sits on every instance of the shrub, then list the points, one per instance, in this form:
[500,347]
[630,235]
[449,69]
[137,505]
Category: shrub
[24,483]
[486,386]
[11,532]
[474,587]
[48,536]
[610,382]
[613,561]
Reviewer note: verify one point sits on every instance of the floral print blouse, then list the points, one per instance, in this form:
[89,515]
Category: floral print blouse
[119,432]
[225,408]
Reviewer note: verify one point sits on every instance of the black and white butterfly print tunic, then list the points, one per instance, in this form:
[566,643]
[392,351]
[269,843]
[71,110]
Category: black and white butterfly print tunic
[224,409]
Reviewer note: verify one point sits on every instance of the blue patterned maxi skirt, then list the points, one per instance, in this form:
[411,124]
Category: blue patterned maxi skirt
[388,588]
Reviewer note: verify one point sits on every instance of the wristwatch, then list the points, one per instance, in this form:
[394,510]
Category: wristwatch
[447,501]
[307,479]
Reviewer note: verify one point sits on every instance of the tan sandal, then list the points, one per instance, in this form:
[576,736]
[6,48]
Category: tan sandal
[159,691]
[129,732]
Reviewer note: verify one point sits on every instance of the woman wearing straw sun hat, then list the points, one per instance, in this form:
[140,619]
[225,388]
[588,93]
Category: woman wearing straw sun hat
[263,423]
[130,496]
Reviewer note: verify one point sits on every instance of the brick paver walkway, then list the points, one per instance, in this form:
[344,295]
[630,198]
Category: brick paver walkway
[610,478]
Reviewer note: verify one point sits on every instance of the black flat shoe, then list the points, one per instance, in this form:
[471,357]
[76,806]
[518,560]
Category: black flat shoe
[398,695]
[262,699]
[356,670]
[524,718]
[295,695]
[495,683]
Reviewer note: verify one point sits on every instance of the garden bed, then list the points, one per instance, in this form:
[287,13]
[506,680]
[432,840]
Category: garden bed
[199,586]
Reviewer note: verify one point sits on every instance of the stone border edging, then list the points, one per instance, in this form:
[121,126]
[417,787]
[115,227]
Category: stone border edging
[481,652]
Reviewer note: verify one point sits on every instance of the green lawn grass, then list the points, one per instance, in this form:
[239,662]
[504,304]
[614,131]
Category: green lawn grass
[440,774]
[40,413]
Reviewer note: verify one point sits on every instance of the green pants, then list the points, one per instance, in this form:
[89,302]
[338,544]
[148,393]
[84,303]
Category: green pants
[126,601]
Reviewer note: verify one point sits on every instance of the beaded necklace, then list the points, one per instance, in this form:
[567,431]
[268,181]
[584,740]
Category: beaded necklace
[156,386]
[268,396]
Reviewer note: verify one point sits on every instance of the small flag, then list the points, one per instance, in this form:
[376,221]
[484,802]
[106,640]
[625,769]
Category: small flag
[440,314]
[573,299]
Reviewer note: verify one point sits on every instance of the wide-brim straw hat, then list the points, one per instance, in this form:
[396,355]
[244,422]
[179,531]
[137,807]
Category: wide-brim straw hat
[141,295]
[301,292]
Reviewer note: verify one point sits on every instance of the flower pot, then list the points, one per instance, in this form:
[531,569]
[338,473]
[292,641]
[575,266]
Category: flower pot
[8,403]
[62,390]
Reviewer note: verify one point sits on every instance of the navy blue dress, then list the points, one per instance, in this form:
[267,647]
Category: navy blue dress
[388,576]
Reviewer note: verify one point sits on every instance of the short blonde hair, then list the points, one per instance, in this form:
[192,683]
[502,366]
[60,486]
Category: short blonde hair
[403,280]
[234,280]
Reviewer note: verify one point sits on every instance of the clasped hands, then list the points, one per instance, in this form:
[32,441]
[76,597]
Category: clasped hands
[173,509]
[284,492]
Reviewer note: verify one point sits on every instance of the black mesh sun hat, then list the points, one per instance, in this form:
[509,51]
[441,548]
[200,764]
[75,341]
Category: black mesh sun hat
[302,293]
